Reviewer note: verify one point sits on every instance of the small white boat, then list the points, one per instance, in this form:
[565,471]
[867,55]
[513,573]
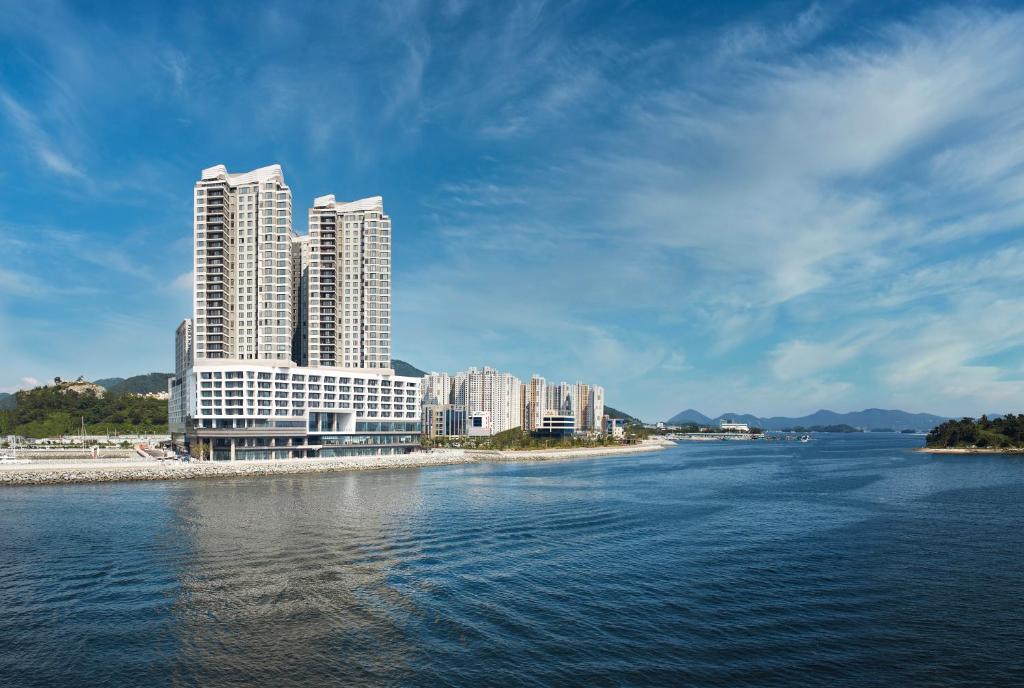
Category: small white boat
[805,438]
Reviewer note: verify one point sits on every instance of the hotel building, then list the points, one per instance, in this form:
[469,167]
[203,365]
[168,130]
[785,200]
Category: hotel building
[287,354]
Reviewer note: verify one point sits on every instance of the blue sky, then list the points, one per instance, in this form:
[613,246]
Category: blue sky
[734,207]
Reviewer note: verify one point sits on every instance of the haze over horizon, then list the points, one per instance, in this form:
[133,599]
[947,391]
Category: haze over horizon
[766,209]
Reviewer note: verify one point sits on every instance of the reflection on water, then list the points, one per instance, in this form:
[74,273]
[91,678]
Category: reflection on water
[308,558]
[850,560]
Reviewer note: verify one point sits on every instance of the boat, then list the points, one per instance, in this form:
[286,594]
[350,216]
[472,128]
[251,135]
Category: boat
[805,438]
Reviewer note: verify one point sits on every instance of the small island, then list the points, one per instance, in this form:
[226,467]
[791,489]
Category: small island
[985,435]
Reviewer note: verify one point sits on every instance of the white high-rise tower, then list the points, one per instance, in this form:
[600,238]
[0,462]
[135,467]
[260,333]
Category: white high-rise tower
[246,268]
[349,284]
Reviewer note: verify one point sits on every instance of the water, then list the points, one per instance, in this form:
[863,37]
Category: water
[846,561]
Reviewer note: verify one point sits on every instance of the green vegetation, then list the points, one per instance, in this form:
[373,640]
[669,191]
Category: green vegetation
[842,427]
[55,410]
[142,384]
[516,438]
[615,413]
[1000,433]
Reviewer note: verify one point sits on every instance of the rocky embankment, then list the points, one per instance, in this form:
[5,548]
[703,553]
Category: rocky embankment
[52,472]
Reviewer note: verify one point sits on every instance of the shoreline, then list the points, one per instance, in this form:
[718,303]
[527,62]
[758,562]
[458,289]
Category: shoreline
[52,472]
[969,450]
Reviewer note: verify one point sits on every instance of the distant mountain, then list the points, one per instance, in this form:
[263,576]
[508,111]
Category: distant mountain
[7,401]
[868,418]
[615,413]
[108,382]
[689,416]
[407,369]
[142,384]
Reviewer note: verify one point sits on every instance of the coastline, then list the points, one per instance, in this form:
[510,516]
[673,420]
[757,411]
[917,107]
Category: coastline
[51,472]
[969,450]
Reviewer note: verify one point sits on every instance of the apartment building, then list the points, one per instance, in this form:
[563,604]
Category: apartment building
[533,403]
[508,403]
[177,407]
[288,352]
[482,393]
[584,402]
[349,282]
[437,388]
[245,277]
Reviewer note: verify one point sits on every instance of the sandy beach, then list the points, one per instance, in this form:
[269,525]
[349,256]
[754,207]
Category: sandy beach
[55,472]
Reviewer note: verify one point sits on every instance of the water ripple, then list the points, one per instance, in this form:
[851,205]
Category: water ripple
[850,562]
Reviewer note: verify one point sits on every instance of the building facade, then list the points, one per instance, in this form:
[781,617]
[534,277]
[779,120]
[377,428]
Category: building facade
[508,403]
[288,352]
[349,282]
[534,402]
[444,420]
[254,411]
[245,280]
[481,393]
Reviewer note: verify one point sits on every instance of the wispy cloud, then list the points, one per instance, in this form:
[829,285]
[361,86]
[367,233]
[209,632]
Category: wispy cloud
[37,140]
[762,210]
[779,181]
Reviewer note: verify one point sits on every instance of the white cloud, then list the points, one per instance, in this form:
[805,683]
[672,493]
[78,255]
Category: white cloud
[37,139]
[183,282]
[773,189]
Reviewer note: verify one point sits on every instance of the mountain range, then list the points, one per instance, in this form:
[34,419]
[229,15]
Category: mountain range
[867,419]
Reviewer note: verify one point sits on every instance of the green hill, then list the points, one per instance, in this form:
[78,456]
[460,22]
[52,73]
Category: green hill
[142,384]
[615,413]
[6,401]
[108,382]
[58,410]
[1006,432]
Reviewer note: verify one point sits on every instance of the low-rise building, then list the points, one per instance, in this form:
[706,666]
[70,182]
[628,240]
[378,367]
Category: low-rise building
[444,420]
[479,424]
[614,427]
[556,424]
[258,410]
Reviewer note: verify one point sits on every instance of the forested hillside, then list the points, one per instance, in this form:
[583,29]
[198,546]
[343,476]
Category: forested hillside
[56,410]
[999,433]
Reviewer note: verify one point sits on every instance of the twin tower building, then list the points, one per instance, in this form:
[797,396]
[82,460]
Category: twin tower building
[288,352]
